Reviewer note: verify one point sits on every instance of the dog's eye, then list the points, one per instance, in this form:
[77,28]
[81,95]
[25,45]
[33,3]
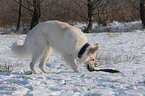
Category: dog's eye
[93,59]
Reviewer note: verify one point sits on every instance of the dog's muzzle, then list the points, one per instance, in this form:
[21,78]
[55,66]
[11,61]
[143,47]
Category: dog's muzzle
[90,68]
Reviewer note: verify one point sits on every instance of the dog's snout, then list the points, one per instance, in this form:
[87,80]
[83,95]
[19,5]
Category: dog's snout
[90,68]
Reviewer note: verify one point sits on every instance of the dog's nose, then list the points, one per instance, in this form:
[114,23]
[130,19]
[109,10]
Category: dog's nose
[90,68]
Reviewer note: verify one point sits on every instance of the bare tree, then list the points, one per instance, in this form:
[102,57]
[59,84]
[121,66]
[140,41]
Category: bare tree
[33,8]
[36,13]
[20,16]
[66,10]
[99,7]
[142,12]
[90,16]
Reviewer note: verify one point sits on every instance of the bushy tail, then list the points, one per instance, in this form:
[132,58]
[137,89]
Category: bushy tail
[19,49]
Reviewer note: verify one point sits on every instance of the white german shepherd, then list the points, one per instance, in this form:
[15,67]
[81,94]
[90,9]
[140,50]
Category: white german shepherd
[67,40]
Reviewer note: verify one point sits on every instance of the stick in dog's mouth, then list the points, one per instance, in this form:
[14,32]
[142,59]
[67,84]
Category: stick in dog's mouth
[104,70]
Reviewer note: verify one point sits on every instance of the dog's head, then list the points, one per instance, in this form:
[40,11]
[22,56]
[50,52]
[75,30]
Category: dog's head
[89,56]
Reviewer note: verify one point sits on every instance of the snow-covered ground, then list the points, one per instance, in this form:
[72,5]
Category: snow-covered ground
[124,51]
[121,51]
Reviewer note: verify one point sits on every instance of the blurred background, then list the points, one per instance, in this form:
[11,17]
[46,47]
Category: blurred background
[30,12]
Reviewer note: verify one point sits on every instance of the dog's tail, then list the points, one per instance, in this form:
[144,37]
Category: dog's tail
[19,49]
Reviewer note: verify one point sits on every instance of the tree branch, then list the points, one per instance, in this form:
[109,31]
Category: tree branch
[24,6]
[11,6]
[96,5]
[95,1]
[80,6]
[120,8]
[133,5]
[83,2]
[28,2]
[27,8]
[69,10]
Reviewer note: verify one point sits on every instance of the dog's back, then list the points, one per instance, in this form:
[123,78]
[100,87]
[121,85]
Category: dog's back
[61,36]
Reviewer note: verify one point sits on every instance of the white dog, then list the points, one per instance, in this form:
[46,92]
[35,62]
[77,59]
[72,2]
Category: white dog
[67,40]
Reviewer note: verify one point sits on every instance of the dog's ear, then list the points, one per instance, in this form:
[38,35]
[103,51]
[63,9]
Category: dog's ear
[92,50]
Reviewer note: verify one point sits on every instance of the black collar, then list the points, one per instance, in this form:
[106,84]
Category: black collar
[83,49]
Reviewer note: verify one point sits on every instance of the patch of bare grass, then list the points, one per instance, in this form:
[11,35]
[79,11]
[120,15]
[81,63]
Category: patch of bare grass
[109,58]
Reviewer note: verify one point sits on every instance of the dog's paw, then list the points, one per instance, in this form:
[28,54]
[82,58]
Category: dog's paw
[28,73]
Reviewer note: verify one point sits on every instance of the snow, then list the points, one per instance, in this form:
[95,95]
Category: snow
[124,51]
[115,26]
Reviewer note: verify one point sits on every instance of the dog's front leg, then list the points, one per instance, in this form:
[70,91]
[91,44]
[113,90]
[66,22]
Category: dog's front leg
[70,61]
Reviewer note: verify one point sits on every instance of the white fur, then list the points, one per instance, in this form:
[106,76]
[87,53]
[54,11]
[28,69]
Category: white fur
[18,48]
[65,39]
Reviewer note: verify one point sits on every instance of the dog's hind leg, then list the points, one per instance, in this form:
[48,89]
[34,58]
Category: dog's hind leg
[44,58]
[35,56]
[71,62]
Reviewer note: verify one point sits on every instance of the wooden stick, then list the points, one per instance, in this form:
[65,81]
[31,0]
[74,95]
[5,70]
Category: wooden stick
[104,70]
